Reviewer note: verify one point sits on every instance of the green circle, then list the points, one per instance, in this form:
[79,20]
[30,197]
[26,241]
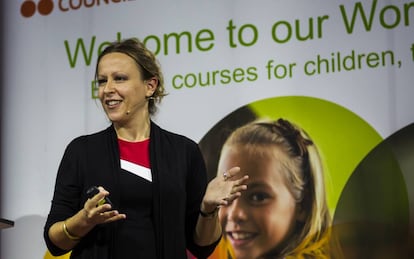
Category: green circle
[342,137]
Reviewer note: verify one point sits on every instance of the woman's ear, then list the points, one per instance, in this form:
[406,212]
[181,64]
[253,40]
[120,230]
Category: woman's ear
[151,85]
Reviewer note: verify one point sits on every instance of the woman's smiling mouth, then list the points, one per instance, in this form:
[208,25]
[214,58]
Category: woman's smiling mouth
[112,103]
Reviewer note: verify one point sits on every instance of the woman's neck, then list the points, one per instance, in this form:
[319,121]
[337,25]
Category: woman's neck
[134,132]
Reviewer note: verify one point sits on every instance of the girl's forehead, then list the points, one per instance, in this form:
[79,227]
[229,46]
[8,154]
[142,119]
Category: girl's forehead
[269,165]
[260,161]
[270,151]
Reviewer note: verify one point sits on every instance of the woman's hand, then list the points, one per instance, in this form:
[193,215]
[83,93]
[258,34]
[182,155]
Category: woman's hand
[66,234]
[223,189]
[97,211]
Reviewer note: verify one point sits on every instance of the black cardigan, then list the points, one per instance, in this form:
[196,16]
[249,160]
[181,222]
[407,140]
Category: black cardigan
[179,183]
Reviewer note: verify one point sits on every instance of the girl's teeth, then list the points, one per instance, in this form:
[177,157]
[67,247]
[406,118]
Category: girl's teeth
[241,236]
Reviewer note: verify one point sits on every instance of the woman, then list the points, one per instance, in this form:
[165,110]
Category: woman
[156,180]
[284,213]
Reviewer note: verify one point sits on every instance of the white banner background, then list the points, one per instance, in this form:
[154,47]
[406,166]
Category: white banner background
[46,102]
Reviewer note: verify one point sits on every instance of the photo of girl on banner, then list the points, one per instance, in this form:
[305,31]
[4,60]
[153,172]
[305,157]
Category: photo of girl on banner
[284,211]
[288,145]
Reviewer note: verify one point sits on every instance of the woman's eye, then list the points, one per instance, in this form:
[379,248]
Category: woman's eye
[120,78]
[101,82]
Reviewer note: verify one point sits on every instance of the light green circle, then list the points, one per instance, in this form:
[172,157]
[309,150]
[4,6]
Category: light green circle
[342,137]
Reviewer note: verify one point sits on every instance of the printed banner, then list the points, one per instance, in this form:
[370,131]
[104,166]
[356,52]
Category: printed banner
[341,72]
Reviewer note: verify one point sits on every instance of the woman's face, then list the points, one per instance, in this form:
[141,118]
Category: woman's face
[264,215]
[121,89]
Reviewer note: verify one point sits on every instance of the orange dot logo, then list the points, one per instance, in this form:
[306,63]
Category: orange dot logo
[45,7]
[28,8]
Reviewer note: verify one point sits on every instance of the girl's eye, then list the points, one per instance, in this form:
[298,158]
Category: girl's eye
[258,197]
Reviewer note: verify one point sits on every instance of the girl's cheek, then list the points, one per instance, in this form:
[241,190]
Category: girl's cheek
[223,216]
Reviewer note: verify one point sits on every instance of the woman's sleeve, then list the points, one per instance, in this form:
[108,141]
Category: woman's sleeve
[67,192]
[196,187]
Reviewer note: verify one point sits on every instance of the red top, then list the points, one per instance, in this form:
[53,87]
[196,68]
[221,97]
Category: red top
[135,152]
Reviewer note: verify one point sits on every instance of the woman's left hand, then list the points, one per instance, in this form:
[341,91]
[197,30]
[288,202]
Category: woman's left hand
[224,188]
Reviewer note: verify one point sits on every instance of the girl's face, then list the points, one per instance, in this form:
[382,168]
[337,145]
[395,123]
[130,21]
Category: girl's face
[265,214]
[121,89]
